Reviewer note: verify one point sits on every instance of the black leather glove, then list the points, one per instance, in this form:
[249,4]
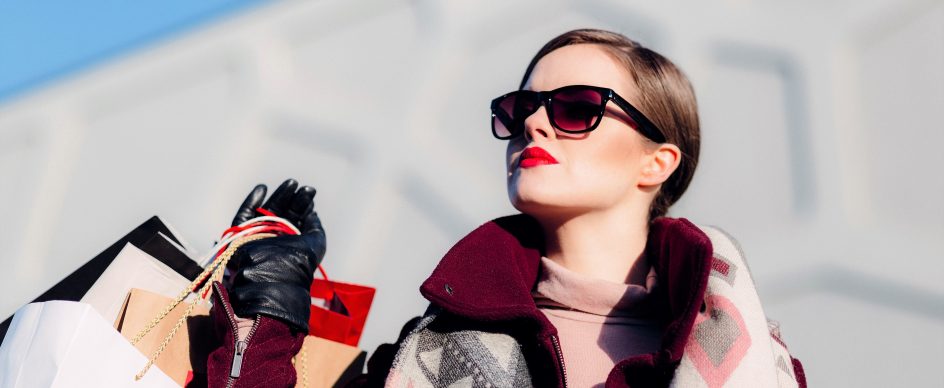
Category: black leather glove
[272,276]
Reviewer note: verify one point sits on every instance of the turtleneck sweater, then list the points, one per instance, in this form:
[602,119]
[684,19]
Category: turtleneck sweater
[599,322]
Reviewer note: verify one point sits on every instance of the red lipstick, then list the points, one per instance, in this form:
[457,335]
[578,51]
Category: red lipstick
[535,156]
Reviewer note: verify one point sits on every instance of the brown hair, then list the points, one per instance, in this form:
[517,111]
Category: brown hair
[665,96]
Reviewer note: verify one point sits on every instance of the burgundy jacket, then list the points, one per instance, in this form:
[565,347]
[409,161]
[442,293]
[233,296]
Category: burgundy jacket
[485,281]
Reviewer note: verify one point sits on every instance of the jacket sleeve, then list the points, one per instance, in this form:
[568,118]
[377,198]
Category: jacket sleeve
[265,357]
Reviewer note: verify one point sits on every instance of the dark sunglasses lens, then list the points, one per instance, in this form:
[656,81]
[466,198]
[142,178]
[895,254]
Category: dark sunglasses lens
[510,112]
[502,117]
[499,128]
[577,109]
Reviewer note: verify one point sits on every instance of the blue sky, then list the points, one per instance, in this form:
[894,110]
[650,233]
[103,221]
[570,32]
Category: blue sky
[42,42]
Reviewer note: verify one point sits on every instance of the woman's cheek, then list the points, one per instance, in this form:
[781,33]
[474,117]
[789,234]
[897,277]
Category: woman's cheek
[599,175]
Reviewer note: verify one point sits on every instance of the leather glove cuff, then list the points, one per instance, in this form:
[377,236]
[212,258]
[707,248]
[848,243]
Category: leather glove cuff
[287,302]
[272,277]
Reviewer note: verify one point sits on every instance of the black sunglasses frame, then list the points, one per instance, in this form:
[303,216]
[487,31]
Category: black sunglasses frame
[644,125]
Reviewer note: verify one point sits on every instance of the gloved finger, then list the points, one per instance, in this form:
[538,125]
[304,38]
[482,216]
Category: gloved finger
[281,198]
[248,209]
[311,224]
[302,203]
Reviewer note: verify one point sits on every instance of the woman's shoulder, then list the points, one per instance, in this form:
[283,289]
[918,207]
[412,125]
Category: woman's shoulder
[722,242]
[732,309]
[699,236]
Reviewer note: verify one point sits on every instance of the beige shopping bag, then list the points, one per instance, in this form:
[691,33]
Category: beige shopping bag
[326,363]
[185,354]
[132,268]
[178,337]
[320,363]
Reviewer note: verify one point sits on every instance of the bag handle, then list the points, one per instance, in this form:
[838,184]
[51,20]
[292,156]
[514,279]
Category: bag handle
[269,222]
[214,272]
[288,228]
[268,225]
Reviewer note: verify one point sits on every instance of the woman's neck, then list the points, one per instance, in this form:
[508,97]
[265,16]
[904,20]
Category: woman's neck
[606,245]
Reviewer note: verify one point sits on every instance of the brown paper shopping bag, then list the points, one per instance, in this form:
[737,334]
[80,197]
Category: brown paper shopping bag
[148,321]
[326,363]
[176,335]
[185,355]
[320,362]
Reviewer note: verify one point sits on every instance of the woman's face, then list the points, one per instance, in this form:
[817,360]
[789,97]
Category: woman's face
[597,170]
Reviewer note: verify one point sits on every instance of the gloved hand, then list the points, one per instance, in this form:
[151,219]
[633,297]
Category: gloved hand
[272,276]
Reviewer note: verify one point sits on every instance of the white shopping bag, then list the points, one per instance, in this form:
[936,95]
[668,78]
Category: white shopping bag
[132,268]
[68,344]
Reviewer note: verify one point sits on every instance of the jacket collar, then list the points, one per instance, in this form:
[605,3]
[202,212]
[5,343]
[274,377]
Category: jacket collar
[489,274]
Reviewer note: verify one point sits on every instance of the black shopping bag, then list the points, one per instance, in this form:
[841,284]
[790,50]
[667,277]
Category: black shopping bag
[153,237]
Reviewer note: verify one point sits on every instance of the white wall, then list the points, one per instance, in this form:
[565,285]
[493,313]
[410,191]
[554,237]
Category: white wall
[821,153]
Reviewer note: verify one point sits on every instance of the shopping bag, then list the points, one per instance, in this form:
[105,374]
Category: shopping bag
[325,363]
[153,237]
[344,313]
[67,344]
[320,363]
[131,269]
[176,256]
[186,353]
[174,333]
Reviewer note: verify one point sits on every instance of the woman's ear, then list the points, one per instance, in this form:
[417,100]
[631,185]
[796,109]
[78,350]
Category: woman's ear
[659,164]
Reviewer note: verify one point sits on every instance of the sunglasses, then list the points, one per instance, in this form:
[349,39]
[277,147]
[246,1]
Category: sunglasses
[570,109]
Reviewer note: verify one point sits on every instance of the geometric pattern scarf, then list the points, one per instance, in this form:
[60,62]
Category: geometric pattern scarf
[733,344]
[464,358]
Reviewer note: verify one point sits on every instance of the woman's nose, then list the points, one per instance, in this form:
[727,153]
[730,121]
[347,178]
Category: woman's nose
[537,125]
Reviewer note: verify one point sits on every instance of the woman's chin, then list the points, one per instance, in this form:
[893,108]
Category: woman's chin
[541,206]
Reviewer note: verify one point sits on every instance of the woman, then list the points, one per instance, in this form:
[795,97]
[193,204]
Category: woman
[591,285]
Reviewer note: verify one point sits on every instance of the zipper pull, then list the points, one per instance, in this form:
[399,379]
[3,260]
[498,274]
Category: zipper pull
[237,359]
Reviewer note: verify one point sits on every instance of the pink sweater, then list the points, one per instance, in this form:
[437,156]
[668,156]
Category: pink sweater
[599,322]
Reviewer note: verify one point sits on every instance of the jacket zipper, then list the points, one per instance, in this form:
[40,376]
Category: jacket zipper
[240,347]
[560,358]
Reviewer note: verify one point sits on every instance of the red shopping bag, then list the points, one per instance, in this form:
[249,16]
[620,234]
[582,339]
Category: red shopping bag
[345,312]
